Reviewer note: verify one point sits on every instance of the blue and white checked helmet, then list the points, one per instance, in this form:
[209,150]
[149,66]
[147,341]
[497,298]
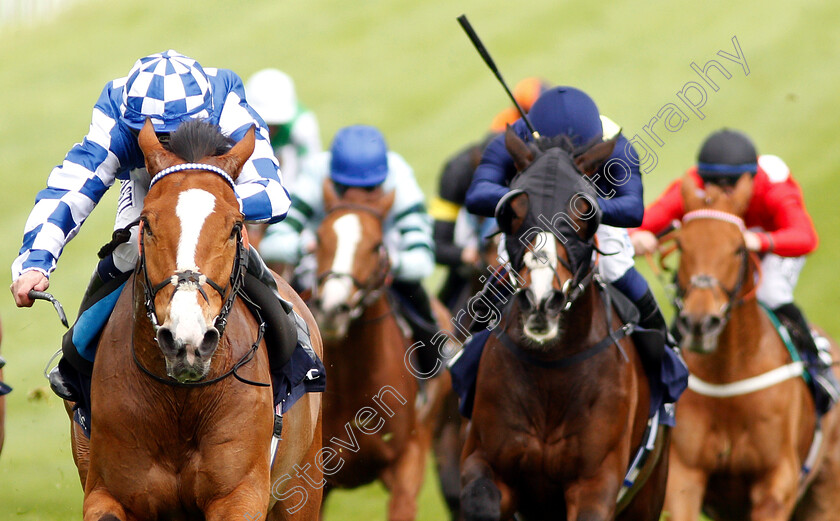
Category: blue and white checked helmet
[167,87]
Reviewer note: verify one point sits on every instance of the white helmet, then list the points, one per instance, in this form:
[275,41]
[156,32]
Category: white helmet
[272,94]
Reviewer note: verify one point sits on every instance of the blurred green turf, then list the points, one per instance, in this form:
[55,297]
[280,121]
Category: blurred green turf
[408,68]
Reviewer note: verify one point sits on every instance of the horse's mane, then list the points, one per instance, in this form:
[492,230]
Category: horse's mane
[196,139]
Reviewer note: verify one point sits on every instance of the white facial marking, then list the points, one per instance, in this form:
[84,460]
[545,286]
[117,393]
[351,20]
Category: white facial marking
[541,262]
[348,230]
[186,320]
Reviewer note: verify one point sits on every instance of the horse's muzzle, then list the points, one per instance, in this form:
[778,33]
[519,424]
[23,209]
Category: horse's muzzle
[542,320]
[700,332]
[186,362]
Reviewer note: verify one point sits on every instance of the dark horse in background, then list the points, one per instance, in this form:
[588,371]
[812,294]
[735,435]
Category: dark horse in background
[562,399]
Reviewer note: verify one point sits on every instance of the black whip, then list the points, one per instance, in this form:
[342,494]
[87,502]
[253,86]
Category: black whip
[490,63]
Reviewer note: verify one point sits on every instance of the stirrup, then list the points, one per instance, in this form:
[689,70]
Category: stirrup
[60,387]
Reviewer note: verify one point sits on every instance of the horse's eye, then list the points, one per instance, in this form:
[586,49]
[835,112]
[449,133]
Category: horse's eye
[236,230]
[147,229]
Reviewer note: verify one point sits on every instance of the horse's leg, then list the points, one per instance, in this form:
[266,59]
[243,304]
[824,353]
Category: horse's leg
[685,489]
[100,505]
[822,500]
[483,496]
[593,498]
[447,448]
[404,477]
[774,496]
[248,500]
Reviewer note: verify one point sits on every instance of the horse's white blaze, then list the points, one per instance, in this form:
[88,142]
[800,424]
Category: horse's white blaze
[541,263]
[337,290]
[186,320]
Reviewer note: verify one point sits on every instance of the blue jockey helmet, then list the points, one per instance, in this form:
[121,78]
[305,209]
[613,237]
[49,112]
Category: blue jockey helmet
[359,157]
[725,156]
[167,87]
[567,111]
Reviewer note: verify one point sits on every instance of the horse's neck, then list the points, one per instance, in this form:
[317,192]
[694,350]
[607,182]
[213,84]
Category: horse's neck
[582,315]
[365,333]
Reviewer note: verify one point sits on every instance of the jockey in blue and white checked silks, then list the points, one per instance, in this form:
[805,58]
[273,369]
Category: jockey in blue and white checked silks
[167,88]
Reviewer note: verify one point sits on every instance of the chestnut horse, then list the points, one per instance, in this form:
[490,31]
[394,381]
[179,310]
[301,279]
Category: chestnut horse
[369,407]
[744,446]
[181,427]
[562,399]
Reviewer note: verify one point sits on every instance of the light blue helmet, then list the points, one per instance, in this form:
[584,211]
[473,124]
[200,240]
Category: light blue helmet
[359,157]
[167,87]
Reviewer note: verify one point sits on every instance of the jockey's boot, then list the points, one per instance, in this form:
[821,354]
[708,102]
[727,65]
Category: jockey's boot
[284,328]
[817,352]
[422,323]
[97,303]
[650,317]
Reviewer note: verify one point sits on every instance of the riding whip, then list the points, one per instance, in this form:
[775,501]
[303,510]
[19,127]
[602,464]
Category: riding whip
[43,295]
[490,63]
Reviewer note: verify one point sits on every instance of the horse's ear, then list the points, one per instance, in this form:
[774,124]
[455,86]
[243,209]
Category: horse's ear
[520,152]
[742,194]
[385,203]
[236,158]
[591,160]
[691,198]
[330,196]
[153,152]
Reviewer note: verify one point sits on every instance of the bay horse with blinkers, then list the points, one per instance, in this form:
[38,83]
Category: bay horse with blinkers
[745,444]
[562,399]
[182,421]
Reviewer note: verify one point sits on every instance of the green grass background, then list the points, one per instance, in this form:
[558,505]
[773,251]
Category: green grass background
[407,68]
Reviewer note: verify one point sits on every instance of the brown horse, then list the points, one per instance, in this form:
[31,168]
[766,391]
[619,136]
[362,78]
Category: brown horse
[181,427]
[562,398]
[369,407]
[746,424]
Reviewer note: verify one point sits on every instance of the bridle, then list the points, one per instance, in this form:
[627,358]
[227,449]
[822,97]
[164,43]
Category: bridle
[193,279]
[190,279]
[372,287]
[707,281]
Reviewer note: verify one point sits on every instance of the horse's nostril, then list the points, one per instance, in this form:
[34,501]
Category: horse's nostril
[166,341]
[555,302]
[209,342]
[712,323]
[342,308]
